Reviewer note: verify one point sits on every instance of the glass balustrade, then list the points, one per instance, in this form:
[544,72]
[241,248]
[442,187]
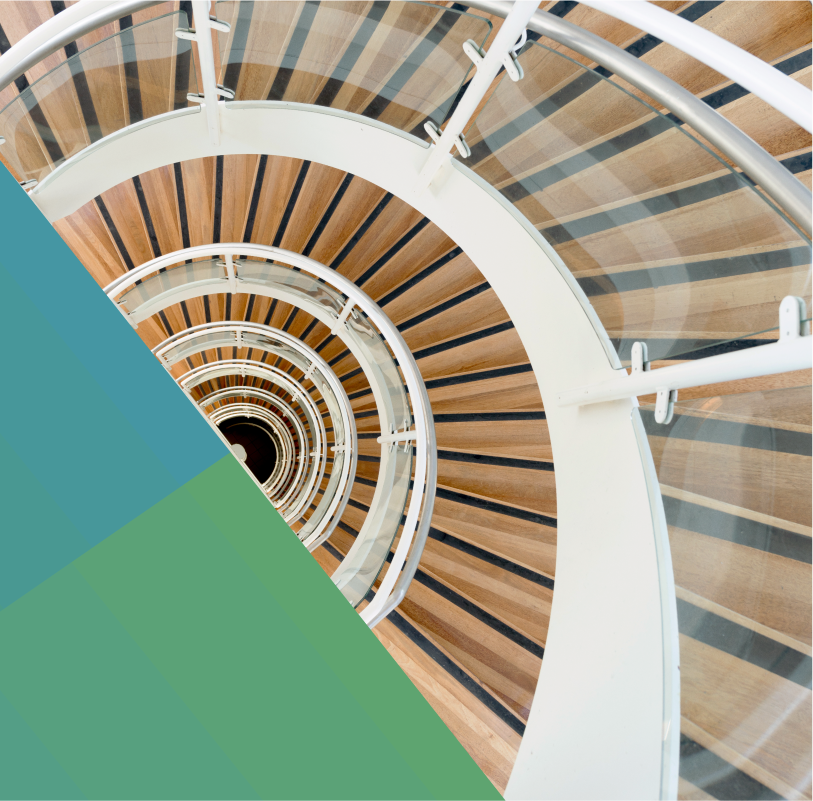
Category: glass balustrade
[735,477]
[671,246]
[400,63]
[134,75]
[151,292]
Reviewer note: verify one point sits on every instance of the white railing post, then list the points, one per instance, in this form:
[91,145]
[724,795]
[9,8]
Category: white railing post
[206,55]
[487,68]
[792,351]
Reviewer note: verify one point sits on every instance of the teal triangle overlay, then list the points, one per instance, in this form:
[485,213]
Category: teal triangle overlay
[205,621]
[48,275]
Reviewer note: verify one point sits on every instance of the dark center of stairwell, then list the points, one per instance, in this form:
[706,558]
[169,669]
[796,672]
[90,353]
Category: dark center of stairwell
[255,437]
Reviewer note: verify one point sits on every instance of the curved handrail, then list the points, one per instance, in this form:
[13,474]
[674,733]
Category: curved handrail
[757,76]
[62,29]
[279,435]
[243,367]
[790,193]
[267,397]
[419,513]
[281,475]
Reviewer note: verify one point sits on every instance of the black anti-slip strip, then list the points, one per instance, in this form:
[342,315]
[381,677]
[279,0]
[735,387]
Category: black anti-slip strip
[690,349]
[708,269]
[271,310]
[181,194]
[462,603]
[416,279]
[362,415]
[585,159]
[457,673]
[797,164]
[745,644]
[562,9]
[642,209]
[497,508]
[34,111]
[407,69]
[183,62]
[218,210]
[488,417]
[583,82]
[239,33]
[145,213]
[443,307]
[294,50]
[167,326]
[80,84]
[365,226]
[727,432]
[740,530]
[255,196]
[717,777]
[484,375]
[393,251]
[363,458]
[479,614]
[464,340]
[289,207]
[485,556]
[326,217]
[495,461]
[22,82]
[130,59]
[114,232]
[351,55]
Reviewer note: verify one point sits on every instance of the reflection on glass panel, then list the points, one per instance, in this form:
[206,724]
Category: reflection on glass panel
[198,343]
[670,245]
[364,562]
[301,285]
[183,276]
[138,73]
[735,475]
[400,63]
[362,332]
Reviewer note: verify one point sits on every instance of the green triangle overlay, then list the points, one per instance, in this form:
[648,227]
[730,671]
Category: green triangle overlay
[201,652]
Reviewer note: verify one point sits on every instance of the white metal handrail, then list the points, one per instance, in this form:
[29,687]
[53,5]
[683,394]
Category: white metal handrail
[243,392]
[419,511]
[280,436]
[244,367]
[286,458]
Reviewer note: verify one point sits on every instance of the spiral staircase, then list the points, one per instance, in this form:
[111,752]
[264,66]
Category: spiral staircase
[334,313]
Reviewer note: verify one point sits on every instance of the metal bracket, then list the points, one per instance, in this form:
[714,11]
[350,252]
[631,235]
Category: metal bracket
[639,358]
[459,141]
[791,315]
[29,184]
[342,318]
[511,59]
[2,140]
[474,52]
[221,91]
[665,405]
[309,372]
[406,435]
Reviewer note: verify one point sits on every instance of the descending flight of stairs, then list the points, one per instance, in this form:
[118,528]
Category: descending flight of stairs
[472,631]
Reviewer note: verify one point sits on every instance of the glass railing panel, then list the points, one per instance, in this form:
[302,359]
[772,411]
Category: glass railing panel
[215,339]
[303,286]
[276,347]
[401,63]
[132,76]
[735,477]
[364,334]
[183,276]
[670,245]
[358,572]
